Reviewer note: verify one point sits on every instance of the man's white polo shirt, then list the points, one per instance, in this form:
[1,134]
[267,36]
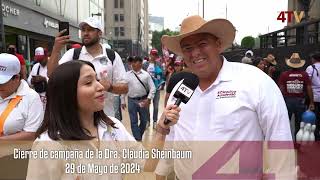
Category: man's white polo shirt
[116,72]
[243,104]
[27,115]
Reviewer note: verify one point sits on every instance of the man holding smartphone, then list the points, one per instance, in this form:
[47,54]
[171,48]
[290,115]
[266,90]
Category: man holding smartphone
[110,72]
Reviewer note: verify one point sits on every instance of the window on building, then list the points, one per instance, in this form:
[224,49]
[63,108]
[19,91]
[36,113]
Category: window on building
[121,3]
[116,31]
[116,3]
[121,31]
[121,17]
[116,17]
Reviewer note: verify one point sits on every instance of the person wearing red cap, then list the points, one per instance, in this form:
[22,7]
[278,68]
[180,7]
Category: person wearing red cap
[154,68]
[38,76]
[12,49]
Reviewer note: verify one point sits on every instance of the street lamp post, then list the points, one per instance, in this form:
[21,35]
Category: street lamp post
[203,9]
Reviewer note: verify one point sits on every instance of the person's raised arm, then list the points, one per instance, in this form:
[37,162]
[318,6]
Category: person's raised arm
[59,43]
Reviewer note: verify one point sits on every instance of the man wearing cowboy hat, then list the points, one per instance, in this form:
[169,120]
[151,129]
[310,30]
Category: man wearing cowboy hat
[294,84]
[271,69]
[233,100]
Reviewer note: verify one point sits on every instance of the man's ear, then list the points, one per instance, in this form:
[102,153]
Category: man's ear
[100,33]
[219,45]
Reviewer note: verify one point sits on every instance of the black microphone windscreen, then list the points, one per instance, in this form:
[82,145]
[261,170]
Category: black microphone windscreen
[190,80]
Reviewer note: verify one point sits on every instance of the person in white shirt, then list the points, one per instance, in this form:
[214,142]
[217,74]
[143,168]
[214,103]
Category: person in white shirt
[96,53]
[20,106]
[313,72]
[141,92]
[38,78]
[234,102]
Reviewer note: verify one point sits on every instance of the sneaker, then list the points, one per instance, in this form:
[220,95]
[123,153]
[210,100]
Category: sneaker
[148,124]
[154,125]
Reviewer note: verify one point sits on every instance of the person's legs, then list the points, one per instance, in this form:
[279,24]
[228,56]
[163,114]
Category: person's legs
[133,110]
[156,105]
[117,108]
[144,116]
[290,110]
[317,112]
[299,109]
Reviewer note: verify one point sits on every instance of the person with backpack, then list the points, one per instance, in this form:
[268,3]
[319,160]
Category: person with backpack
[38,78]
[106,61]
[313,72]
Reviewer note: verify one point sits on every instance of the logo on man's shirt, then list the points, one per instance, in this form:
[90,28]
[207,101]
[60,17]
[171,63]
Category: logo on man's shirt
[103,60]
[226,94]
[295,75]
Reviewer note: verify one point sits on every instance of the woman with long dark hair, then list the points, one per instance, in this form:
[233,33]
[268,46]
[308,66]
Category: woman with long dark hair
[74,111]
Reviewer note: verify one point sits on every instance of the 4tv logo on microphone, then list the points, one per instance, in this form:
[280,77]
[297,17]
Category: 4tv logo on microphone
[289,16]
[185,90]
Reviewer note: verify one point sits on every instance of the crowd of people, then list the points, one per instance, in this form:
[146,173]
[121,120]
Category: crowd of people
[76,96]
[299,85]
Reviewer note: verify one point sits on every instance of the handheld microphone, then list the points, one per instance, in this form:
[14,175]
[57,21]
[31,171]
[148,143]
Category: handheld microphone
[185,90]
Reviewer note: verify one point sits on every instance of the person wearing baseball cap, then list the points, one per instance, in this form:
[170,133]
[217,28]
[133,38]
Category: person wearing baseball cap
[231,103]
[38,76]
[19,104]
[106,61]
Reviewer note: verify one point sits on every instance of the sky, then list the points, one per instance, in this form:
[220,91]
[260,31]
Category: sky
[250,17]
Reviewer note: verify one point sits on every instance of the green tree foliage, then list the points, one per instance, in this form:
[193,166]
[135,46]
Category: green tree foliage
[156,38]
[248,42]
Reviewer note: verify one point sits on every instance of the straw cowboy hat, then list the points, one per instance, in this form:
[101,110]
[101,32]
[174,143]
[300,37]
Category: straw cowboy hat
[295,61]
[221,28]
[271,59]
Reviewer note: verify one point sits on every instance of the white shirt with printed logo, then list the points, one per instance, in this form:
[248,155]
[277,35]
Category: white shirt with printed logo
[27,115]
[243,104]
[116,72]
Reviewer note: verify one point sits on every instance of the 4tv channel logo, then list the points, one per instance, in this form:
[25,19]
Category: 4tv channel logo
[289,16]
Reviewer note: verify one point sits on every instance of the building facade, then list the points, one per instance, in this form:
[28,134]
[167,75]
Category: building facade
[300,5]
[126,26]
[32,23]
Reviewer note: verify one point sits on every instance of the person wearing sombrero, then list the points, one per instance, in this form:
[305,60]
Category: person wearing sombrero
[232,102]
[271,68]
[294,84]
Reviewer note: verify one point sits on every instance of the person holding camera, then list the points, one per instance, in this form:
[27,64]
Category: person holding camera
[38,78]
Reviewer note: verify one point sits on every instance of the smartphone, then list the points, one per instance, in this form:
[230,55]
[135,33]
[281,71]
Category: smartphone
[64,25]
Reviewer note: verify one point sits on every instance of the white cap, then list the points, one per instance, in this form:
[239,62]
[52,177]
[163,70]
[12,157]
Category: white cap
[39,51]
[93,22]
[249,52]
[9,66]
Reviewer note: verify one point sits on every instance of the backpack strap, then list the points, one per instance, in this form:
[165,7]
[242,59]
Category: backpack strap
[314,69]
[11,105]
[38,69]
[110,53]
[76,53]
